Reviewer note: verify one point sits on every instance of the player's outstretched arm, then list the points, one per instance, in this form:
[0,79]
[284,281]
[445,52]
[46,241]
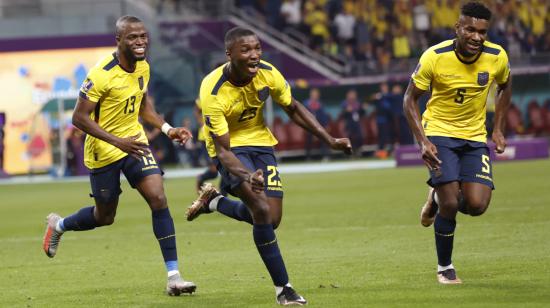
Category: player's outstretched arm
[148,113]
[301,116]
[228,159]
[504,94]
[412,113]
[82,120]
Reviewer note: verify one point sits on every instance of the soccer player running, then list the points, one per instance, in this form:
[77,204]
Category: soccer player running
[232,98]
[452,131]
[111,100]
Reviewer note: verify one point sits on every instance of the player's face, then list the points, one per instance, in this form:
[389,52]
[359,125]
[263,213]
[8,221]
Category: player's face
[245,56]
[471,33]
[133,41]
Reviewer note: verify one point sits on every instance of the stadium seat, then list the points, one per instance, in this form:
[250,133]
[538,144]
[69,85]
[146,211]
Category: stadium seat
[280,133]
[296,136]
[536,120]
[514,123]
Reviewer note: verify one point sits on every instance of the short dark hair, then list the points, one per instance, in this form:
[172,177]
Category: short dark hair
[476,9]
[234,34]
[123,20]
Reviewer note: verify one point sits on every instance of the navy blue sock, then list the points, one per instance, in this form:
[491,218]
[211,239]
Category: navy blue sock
[163,227]
[80,221]
[234,209]
[444,235]
[207,175]
[266,242]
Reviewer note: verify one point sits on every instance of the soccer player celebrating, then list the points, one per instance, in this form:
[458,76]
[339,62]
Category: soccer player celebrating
[452,131]
[232,98]
[111,99]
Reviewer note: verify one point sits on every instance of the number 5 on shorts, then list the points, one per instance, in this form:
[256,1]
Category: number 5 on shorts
[486,168]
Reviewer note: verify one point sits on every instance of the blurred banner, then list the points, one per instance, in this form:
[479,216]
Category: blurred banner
[36,85]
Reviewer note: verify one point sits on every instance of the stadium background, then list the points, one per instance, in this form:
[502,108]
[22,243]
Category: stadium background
[47,47]
[350,238]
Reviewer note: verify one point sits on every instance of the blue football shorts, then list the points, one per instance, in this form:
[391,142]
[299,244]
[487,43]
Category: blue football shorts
[253,158]
[461,160]
[105,181]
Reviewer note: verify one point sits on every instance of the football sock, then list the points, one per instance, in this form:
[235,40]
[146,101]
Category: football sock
[444,268]
[234,209]
[444,234]
[462,208]
[266,242]
[278,290]
[163,227]
[80,221]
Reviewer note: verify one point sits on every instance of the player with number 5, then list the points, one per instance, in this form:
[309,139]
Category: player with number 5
[452,133]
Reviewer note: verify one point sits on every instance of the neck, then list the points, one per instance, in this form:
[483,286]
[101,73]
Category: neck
[234,77]
[463,54]
[126,64]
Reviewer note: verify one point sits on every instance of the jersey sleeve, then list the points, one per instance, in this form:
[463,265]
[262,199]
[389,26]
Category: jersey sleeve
[213,115]
[280,92]
[503,68]
[94,86]
[424,72]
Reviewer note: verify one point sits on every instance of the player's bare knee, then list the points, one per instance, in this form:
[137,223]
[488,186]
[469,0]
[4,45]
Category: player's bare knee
[105,220]
[477,209]
[157,202]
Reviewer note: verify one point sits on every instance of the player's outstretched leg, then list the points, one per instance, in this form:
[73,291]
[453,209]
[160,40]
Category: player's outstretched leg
[52,236]
[177,286]
[427,214]
[200,205]
[210,200]
[289,297]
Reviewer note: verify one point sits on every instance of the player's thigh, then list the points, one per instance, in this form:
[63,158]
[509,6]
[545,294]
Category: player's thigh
[476,166]
[449,170]
[105,184]
[477,196]
[145,175]
[272,179]
[229,182]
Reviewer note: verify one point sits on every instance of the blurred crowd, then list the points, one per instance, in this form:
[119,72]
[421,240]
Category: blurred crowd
[379,36]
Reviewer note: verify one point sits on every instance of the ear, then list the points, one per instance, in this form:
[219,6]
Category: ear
[457,28]
[228,55]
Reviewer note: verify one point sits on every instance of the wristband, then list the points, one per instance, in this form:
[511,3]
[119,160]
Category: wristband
[165,128]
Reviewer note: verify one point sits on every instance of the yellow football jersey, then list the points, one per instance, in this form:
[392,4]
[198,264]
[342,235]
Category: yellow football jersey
[200,132]
[459,89]
[227,108]
[118,95]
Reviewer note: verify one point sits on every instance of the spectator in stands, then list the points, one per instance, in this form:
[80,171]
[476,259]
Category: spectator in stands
[344,25]
[401,127]
[384,120]
[291,11]
[351,113]
[315,106]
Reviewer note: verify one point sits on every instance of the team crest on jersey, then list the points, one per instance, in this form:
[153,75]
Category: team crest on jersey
[482,78]
[263,94]
[140,81]
[86,85]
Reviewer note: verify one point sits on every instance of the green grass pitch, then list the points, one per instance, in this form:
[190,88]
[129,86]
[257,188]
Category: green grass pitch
[349,239]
